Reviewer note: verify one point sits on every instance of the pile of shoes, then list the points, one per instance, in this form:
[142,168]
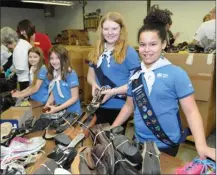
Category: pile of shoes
[113,153]
[194,48]
[20,153]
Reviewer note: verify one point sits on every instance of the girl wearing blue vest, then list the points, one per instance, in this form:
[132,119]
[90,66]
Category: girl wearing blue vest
[154,93]
[63,87]
[38,90]
[111,63]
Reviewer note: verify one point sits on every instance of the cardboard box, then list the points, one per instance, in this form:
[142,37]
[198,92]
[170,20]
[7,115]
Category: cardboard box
[87,86]
[17,115]
[74,37]
[76,61]
[78,56]
[81,88]
[201,70]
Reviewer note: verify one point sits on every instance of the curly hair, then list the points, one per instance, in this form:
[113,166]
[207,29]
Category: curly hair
[159,16]
[8,36]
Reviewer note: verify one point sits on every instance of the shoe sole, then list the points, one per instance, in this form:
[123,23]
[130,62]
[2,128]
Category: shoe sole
[151,160]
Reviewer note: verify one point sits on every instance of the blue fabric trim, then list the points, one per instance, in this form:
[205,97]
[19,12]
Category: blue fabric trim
[186,95]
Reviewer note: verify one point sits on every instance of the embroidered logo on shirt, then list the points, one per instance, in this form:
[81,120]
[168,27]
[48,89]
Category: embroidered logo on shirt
[65,84]
[73,82]
[161,75]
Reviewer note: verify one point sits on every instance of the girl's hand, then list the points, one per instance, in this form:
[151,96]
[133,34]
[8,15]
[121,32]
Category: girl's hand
[16,94]
[53,109]
[45,109]
[108,94]
[14,91]
[206,151]
[94,87]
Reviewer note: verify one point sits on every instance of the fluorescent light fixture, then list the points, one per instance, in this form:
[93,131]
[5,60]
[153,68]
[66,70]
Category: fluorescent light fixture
[51,2]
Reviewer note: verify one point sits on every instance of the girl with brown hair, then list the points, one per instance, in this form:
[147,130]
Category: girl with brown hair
[38,89]
[63,87]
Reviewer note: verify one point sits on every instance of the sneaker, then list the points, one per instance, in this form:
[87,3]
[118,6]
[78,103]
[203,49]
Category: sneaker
[6,128]
[209,167]
[13,169]
[151,159]
[194,167]
[61,171]
[21,147]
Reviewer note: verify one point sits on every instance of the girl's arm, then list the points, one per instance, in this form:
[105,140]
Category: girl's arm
[195,123]
[91,79]
[31,89]
[114,91]
[125,113]
[50,100]
[72,100]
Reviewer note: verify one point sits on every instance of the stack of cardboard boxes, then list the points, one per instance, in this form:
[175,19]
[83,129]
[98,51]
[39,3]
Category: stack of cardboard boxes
[201,70]
[75,37]
[78,58]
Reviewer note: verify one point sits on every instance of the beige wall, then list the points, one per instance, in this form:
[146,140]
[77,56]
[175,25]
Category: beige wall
[187,16]
[11,16]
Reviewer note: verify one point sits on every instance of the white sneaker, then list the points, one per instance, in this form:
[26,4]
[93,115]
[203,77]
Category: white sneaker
[61,171]
[21,147]
[14,168]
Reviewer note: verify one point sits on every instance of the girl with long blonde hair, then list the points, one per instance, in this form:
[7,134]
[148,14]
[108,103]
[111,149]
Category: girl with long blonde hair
[111,63]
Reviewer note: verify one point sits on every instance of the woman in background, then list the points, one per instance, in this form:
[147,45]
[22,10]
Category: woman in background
[27,30]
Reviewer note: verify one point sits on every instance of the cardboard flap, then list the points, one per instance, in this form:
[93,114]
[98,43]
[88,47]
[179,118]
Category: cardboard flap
[200,68]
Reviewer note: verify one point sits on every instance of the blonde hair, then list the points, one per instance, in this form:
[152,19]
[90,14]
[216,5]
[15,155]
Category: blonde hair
[121,44]
[39,52]
[207,17]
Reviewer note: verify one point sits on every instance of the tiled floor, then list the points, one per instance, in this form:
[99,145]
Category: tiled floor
[187,151]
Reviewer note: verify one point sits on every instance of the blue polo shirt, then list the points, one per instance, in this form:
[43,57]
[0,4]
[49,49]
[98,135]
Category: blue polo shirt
[42,94]
[65,86]
[171,84]
[119,74]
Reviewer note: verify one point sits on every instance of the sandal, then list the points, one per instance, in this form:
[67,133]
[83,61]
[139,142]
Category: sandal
[6,128]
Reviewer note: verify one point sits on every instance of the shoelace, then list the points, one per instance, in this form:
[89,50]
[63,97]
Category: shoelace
[16,141]
[194,163]
[207,165]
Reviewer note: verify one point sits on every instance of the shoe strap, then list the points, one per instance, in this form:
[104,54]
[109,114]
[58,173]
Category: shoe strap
[76,140]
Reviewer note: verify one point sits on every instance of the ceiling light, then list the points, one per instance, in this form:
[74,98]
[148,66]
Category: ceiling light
[50,2]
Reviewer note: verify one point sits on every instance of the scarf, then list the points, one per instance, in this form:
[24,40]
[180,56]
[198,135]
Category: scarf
[57,78]
[149,74]
[106,54]
[31,73]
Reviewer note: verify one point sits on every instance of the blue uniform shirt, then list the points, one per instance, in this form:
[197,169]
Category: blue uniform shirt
[42,94]
[119,74]
[65,86]
[171,84]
